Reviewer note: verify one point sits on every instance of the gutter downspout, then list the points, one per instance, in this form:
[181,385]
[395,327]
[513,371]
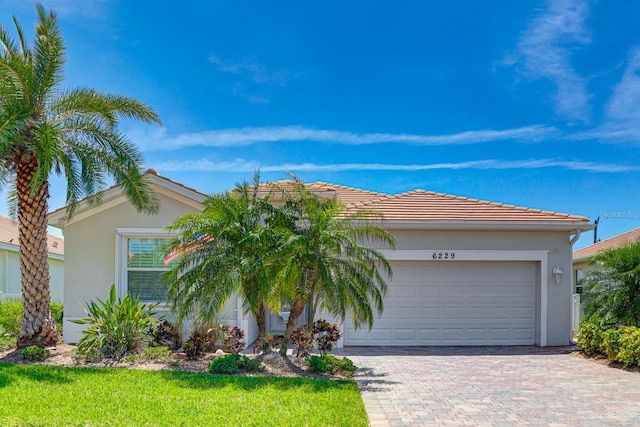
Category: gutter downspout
[574,240]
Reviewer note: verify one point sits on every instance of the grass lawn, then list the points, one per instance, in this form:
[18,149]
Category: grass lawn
[54,396]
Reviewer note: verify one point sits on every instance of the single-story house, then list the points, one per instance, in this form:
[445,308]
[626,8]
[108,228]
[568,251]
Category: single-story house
[582,257]
[10,282]
[466,271]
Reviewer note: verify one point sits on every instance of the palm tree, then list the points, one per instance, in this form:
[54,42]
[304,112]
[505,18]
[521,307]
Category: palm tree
[329,264]
[47,129]
[613,286]
[228,247]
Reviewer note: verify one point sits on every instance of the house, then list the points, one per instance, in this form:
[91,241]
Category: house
[582,257]
[10,283]
[466,271]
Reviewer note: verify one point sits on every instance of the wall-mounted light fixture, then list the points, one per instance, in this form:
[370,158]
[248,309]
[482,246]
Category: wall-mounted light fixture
[557,273]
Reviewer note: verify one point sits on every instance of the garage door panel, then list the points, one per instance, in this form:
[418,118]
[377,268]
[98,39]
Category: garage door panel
[461,303]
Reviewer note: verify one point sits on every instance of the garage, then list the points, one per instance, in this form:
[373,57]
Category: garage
[455,303]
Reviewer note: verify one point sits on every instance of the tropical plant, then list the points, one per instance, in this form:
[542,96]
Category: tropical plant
[228,247]
[302,341]
[329,261]
[165,334]
[45,129]
[613,286]
[233,340]
[326,335]
[116,326]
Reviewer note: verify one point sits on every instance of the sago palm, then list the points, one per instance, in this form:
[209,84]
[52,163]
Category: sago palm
[45,129]
[330,263]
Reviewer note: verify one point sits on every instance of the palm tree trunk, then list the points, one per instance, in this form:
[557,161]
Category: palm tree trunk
[38,327]
[261,320]
[296,310]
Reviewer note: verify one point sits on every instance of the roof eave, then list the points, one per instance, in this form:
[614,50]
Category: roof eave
[488,225]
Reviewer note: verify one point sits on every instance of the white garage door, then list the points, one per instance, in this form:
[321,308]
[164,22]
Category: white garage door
[455,303]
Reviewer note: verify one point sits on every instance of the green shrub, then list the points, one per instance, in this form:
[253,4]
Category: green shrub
[590,338]
[330,364]
[629,353]
[7,340]
[34,353]
[611,343]
[57,312]
[11,316]
[116,327]
[160,354]
[233,363]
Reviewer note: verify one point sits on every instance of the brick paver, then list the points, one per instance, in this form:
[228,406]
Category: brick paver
[492,386]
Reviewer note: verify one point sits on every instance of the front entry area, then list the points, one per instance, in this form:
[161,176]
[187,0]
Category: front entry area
[277,321]
[455,303]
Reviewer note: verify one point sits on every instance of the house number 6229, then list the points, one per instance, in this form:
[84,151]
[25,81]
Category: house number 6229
[444,255]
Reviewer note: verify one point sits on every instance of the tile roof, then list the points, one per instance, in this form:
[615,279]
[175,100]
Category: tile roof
[421,205]
[9,235]
[348,195]
[610,243]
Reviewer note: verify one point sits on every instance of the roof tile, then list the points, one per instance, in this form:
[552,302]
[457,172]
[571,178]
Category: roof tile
[610,243]
[9,235]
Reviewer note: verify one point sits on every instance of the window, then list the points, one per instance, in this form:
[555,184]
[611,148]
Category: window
[141,266]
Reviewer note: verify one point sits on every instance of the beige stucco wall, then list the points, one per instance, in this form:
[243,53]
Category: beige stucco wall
[90,254]
[10,275]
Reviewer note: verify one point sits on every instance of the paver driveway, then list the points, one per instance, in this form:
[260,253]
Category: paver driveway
[496,386]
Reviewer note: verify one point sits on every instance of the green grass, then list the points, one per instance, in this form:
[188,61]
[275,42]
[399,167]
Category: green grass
[54,396]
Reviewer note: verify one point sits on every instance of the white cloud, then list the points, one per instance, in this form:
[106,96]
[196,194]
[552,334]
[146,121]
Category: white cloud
[545,48]
[622,112]
[159,139]
[240,165]
[624,105]
[257,72]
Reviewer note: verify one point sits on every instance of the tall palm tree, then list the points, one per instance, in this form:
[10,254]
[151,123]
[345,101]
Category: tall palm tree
[228,247]
[47,129]
[613,286]
[330,263]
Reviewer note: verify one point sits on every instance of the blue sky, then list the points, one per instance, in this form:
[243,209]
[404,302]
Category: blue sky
[534,103]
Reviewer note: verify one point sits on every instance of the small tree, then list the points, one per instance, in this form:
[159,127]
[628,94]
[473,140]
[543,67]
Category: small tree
[613,286]
[329,260]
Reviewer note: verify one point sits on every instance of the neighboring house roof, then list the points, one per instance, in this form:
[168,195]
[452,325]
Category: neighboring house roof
[9,236]
[610,243]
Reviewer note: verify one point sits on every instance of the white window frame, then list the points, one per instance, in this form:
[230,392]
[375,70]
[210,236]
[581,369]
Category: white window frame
[122,238]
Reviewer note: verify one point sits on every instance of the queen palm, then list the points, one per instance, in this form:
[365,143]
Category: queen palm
[45,129]
[329,261]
